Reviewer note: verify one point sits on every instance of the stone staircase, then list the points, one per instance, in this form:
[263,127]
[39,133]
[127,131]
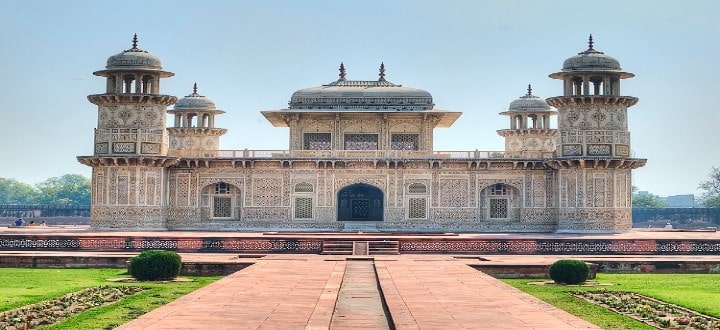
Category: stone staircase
[360,226]
[380,247]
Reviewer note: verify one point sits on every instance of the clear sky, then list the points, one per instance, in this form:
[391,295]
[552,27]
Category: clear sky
[473,56]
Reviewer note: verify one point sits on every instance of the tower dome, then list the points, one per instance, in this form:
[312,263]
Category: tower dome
[195,101]
[133,59]
[529,102]
[592,60]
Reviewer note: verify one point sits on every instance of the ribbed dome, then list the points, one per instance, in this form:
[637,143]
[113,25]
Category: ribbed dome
[194,101]
[133,59]
[591,60]
[362,95]
[529,102]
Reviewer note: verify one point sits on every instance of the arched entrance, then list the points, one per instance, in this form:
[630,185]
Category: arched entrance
[360,202]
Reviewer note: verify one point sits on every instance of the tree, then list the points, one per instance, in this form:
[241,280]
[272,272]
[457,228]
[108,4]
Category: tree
[69,189]
[646,200]
[711,197]
[15,192]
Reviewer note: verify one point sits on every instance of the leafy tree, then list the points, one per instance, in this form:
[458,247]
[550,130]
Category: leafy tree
[646,200]
[15,192]
[711,198]
[69,189]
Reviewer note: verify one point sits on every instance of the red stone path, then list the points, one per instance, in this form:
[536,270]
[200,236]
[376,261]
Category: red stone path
[300,292]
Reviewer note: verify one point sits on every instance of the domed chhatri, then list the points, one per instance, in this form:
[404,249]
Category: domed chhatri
[194,125]
[195,101]
[529,102]
[361,95]
[529,134]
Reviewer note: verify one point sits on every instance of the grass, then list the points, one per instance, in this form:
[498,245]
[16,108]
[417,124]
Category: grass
[700,292]
[22,286]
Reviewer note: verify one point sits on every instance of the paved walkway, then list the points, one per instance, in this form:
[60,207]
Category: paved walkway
[300,292]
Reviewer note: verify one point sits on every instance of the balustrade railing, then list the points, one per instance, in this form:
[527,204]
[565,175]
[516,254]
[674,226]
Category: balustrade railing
[356,154]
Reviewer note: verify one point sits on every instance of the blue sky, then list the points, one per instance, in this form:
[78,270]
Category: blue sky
[473,56]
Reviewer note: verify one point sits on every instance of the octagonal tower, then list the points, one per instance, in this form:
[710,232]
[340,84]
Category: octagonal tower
[131,143]
[593,154]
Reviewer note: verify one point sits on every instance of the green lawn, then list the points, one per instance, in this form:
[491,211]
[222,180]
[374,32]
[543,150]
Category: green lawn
[23,286]
[700,292]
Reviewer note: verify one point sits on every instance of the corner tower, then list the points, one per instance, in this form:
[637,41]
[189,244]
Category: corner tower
[593,156]
[131,143]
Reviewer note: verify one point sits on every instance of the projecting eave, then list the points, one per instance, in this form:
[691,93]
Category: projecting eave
[447,118]
[278,118]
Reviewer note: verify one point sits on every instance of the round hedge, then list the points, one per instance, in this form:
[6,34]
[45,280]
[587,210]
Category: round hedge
[155,265]
[569,271]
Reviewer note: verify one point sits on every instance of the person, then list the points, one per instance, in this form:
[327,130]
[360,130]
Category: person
[18,222]
[42,223]
[32,223]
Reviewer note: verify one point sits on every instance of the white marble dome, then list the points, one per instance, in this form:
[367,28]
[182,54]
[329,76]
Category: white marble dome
[133,59]
[591,60]
[195,101]
[361,95]
[529,102]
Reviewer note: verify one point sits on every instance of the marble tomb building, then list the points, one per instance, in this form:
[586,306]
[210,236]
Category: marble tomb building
[361,155]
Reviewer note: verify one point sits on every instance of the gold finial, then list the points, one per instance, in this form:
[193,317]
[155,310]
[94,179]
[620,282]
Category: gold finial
[382,71]
[529,90]
[195,88]
[590,42]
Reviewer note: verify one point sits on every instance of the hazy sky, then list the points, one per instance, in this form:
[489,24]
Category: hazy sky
[473,56]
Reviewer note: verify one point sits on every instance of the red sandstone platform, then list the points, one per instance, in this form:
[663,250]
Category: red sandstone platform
[300,292]
[641,242]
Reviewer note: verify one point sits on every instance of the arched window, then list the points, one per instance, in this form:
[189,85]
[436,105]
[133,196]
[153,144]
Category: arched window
[417,188]
[223,200]
[303,187]
[499,201]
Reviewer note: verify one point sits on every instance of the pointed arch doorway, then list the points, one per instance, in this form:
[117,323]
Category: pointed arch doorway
[360,202]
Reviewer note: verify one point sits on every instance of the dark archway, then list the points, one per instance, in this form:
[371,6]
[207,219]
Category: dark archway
[360,202]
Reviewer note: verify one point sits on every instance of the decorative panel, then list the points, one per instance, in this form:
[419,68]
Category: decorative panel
[303,208]
[267,191]
[361,142]
[417,208]
[124,147]
[317,141]
[404,142]
[222,207]
[498,208]
[149,148]
[572,150]
[101,148]
[453,192]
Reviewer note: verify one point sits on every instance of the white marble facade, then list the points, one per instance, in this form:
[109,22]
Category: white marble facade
[360,152]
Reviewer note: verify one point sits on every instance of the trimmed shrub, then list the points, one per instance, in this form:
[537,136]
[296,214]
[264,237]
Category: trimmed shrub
[569,271]
[155,265]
